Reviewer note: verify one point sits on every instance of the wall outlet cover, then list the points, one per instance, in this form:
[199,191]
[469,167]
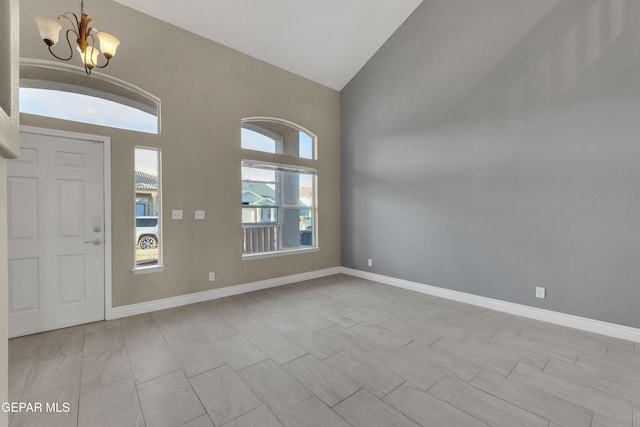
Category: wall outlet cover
[212,276]
[199,214]
[176,214]
[541,292]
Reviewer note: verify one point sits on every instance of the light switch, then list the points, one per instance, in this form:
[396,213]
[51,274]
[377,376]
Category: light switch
[199,214]
[176,214]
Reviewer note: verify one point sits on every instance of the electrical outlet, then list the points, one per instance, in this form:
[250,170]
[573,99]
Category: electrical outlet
[370,262]
[199,214]
[176,214]
[212,276]
[541,292]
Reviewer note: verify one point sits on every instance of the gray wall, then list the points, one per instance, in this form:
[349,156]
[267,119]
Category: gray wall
[493,146]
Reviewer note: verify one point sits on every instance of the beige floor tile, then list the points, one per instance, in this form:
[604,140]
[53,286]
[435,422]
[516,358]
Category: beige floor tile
[415,369]
[534,400]
[202,421]
[365,410]
[314,343]
[366,370]
[61,342]
[142,335]
[280,323]
[152,362]
[224,395]
[113,405]
[582,395]
[274,386]
[280,349]
[169,401]
[63,409]
[428,410]
[327,383]
[381,355]
[52,374]
[600,420]
[484,406]
[106,368]
[19,371]
[101,339]
[312,413]
[197,356]
[259,417]
[238,353]
[628,388]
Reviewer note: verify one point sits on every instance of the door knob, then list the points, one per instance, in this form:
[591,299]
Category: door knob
[95,241]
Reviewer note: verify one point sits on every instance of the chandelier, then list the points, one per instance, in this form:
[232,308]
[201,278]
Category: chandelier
[85,38]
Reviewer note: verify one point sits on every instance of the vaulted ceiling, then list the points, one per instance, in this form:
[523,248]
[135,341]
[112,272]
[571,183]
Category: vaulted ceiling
[325,41]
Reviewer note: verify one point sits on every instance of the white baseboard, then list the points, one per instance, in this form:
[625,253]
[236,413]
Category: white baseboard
[161,304]
[577,322]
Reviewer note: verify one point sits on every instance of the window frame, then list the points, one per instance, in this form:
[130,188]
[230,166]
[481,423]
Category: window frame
[279,168]
[49,75]
[160,266]
[279,144]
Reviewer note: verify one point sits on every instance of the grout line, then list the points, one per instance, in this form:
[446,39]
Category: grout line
[337,403]
[395,388]
[546,363]
[511,371]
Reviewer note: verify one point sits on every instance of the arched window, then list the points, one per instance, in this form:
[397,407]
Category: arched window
[279,199]
[65,92]
[278,136]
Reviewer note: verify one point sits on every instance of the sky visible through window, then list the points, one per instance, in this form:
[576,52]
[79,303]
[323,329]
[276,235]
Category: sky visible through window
[85,109]
[257,141]
[267,176]
[146,160]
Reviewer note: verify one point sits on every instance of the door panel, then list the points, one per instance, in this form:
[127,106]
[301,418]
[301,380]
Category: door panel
[23,208]
[56,233]
[24,295]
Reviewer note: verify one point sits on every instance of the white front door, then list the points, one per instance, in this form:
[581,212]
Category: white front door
[56,233]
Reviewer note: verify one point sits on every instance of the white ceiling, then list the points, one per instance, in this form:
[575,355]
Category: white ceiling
[326,41]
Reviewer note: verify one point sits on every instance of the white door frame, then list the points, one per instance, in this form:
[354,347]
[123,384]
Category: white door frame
[106,141]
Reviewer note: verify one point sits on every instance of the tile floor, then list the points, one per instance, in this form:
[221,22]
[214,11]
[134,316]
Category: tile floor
[333,352]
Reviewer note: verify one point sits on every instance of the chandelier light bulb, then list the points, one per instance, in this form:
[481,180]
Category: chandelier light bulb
[89,57]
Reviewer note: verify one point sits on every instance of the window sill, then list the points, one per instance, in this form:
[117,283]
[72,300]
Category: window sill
[148,270]
[279,253]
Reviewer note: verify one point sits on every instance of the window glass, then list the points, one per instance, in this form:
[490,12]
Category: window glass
[306,145]
[278,207]
[278,137]
[253,140]
[148,249]
[85,109]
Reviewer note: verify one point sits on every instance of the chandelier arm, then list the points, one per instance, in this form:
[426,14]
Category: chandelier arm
[70,48]
[93,46]
[75,23]
[103,66]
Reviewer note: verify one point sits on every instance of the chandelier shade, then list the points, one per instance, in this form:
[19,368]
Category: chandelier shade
[49,29]
[88,39]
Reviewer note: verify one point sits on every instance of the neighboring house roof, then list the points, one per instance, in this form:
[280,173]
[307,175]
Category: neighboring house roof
[146,181]
[265,202]
[258,194]
[262,190]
